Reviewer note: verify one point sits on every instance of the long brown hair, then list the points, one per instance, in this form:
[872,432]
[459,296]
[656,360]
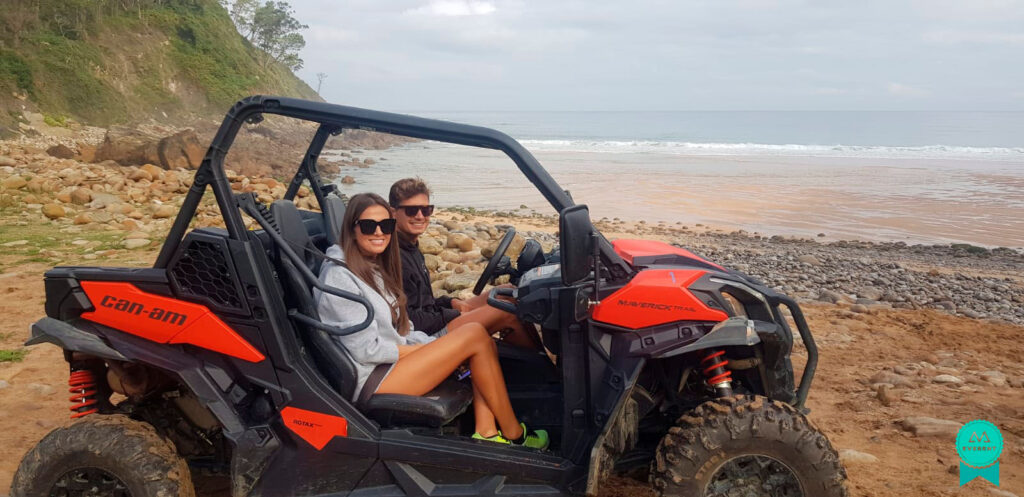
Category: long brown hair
[388,263]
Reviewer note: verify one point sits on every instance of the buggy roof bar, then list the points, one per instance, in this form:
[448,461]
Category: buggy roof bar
[334,117]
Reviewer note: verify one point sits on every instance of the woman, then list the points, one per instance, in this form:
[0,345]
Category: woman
[391,357]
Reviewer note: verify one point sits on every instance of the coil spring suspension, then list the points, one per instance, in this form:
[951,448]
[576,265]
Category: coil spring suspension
[82,387]
[714,370]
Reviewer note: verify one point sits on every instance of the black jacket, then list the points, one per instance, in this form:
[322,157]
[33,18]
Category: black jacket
[428,314]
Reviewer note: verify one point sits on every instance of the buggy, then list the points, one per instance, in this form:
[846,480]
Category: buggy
[669,368]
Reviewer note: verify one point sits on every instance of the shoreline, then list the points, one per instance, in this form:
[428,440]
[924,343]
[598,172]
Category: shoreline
[916,201]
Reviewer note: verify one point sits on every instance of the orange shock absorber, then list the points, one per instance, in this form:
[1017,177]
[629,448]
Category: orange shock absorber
[82,387]
[714,370]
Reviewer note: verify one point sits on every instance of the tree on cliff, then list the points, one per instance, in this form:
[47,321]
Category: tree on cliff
[272,28]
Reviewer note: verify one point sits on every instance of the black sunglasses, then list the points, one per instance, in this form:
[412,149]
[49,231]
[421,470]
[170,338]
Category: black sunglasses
[369,226]
[410,210]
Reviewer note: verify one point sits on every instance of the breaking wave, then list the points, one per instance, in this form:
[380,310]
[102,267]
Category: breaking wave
[761,149]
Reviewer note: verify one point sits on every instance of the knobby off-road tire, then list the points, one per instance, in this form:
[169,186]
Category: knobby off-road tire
[121,456]
[746,446]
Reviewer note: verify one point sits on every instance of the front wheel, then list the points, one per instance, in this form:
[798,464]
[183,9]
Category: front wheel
[746,446]
[103,456]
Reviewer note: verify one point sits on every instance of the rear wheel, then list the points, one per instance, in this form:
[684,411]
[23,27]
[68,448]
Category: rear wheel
[746,447]
[103,456]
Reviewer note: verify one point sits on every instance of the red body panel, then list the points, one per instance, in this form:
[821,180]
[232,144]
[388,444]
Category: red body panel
[653,297]
[314,427]
[163,320]
[629,249]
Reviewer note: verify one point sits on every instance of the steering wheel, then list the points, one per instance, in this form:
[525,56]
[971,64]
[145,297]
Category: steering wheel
[492,264]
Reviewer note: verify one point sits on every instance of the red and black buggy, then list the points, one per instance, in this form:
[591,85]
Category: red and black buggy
[669,368]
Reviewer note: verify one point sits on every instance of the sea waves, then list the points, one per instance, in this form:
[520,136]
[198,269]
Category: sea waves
[790,150]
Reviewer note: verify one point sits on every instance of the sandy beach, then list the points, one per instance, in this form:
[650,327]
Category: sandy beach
[913,200]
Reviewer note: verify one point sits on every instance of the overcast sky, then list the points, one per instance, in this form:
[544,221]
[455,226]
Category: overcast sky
[436,55]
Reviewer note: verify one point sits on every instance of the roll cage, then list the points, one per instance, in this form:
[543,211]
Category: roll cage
[333,119]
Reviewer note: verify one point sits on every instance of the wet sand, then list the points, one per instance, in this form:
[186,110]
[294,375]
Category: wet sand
[914,200]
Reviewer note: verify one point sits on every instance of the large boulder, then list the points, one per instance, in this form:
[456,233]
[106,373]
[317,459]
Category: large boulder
[181,149]
[81,196]
[132,147]
[429,245]
[14,182]
[61,151]
[128,147]
[53,211]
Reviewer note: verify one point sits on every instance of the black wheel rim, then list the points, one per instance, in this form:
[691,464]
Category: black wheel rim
[753,476]
[89,482]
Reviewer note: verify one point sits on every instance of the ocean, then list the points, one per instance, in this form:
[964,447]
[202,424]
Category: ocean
[917,177]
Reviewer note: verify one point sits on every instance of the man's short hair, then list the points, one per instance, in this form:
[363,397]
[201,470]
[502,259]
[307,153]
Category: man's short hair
[405,188]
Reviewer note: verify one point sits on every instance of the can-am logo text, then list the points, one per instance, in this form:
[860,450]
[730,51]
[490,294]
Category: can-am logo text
[156,313]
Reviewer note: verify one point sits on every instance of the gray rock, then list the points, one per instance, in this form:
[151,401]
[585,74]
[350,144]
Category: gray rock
[431,261]
[971,313]
[892,379]
[860,308]
[429,245]
[41,389]
[832,296]
[458,282]
[1001,493]
[922,426]
[808,259]
[4,384]
[135,243]
[850,456]
[947,378]
[884,395]
[870,292]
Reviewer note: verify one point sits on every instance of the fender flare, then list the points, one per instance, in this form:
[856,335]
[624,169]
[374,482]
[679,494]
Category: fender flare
[735,331]
[67,337]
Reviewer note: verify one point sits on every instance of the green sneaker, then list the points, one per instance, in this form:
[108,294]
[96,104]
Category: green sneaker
[534,439]
[496,438]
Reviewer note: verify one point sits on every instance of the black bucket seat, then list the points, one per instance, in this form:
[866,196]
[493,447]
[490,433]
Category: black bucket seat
[434,409]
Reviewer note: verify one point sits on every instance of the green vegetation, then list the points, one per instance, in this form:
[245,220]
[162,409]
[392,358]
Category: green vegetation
[15,71]
[272,29]
[15,355]
[970,249]
[56,121]
[111,61]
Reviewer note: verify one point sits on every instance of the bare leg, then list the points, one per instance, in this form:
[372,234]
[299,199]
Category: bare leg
[495,320]
[421,371]
[484,417]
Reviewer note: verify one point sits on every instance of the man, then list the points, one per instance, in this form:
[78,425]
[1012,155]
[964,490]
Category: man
[410,198]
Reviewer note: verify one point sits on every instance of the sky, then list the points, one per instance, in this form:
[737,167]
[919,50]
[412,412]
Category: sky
[580,55]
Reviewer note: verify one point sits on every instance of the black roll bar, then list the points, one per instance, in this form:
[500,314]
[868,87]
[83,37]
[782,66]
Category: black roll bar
[307,169]
[333,117]
[248,204]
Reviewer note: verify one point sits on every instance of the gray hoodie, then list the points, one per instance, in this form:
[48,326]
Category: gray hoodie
[376,344]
